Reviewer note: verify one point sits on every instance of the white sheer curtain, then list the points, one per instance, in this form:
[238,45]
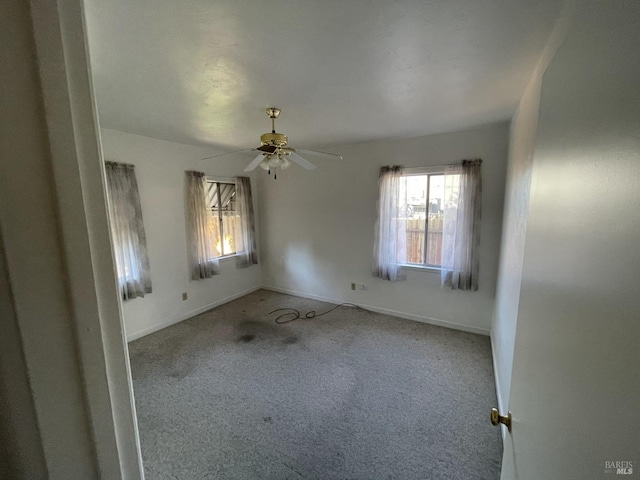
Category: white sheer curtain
[245,228]
[202,263]
[461,227]
[389,251]
[127,231]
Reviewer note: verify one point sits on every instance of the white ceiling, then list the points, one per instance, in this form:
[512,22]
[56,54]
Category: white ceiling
[202,71]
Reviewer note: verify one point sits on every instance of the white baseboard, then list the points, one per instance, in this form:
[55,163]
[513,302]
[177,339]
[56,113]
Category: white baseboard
[172,321]
[501,406]
[386,311]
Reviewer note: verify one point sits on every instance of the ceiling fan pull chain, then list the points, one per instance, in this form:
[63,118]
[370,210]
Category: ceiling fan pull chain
[275,173]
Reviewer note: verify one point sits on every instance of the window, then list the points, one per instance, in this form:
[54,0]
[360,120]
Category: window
[220,223]
[224,223]
[422,205]
[431,218]
[127,231]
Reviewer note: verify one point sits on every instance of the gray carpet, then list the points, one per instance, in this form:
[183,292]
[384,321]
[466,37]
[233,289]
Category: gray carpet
[350,395]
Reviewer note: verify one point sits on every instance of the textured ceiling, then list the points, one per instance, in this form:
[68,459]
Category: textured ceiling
[202,71]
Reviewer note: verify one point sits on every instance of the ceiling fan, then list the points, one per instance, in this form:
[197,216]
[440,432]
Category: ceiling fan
[274,152]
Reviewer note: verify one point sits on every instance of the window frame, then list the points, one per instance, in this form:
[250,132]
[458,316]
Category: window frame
[416,172]
[228,181]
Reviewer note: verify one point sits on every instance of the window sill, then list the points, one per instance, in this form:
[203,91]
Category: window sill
[421,268]
[226,257]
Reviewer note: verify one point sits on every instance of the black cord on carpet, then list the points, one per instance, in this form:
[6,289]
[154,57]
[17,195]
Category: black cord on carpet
[295,314]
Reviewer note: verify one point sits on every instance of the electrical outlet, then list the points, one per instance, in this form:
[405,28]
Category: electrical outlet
[353,286]
[184,296]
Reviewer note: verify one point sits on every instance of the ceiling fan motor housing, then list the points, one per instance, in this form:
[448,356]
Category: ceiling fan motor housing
[275,139]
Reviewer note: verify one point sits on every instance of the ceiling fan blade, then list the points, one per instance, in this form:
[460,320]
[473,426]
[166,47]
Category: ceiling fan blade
[256,161]
[335,156]
[301,161]
[267,148]
[228,153]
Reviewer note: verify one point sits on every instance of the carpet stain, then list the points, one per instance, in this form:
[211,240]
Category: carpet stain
[265,333]
[246,338]
[268,419]
[181,372]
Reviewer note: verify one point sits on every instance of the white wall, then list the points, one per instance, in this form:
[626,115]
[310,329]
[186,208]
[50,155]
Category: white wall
[21,133]
[522,136]
[160,168]
[21,454]
[318,228]
[575,393]
[514,227]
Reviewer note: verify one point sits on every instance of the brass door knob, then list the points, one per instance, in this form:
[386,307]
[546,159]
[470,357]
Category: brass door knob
[497,419]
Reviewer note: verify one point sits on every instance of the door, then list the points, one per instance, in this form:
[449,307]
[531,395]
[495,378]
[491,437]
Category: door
[575,388]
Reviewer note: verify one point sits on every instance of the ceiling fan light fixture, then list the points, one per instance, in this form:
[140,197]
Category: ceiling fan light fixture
[274,161]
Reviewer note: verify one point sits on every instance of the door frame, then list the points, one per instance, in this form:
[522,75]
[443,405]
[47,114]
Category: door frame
[84,341]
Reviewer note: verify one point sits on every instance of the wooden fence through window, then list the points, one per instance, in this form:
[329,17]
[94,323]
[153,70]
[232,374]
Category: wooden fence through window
[416,244]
